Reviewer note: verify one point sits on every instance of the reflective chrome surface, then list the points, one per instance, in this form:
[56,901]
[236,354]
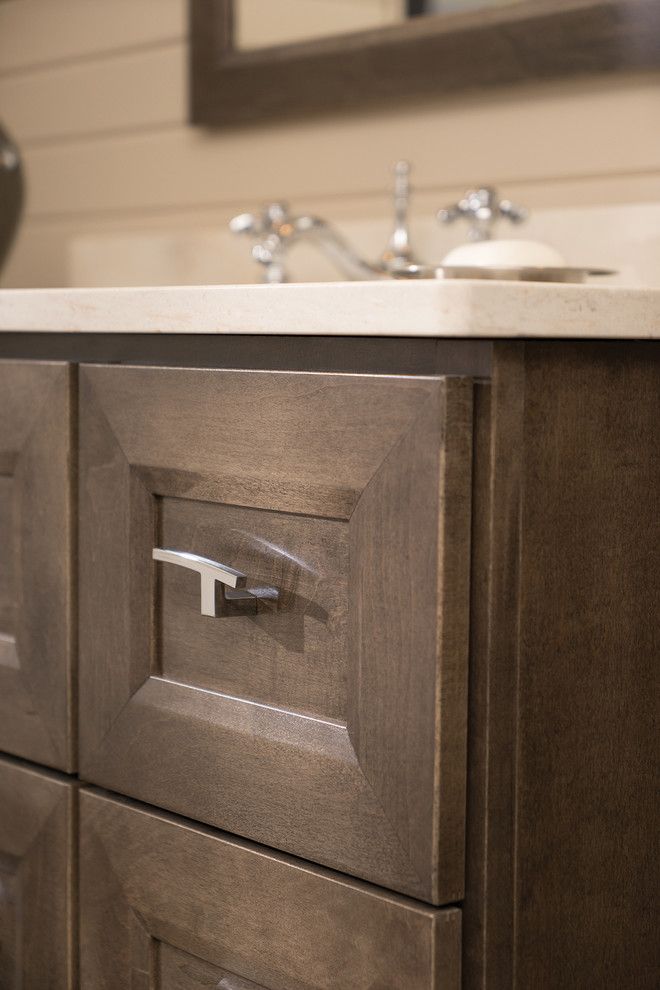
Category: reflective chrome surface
[503,273]
[519,274]
[233,582]
[482,208]
[398,254]
[276,230]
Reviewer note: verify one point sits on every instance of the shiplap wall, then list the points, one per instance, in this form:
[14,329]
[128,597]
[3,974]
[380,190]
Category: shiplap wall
[95,93]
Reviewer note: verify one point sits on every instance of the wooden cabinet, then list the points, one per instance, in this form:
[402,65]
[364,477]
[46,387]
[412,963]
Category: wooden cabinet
[315,696]
[330,722]
[37,629]
[37,909]
[167,904]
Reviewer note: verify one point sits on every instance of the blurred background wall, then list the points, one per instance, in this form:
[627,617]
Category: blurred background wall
[121,188]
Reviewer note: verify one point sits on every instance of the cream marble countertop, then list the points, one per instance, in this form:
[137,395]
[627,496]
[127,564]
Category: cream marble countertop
[460,308]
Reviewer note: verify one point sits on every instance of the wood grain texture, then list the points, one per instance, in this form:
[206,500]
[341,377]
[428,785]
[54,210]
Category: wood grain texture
[360,792]
[8,559]
[589,648]
[482,734]
[37,909]
[423,57]
[292,654]
[407,609]
[566,859]
[38,642]
[489,903]
[169,905]
[268,352]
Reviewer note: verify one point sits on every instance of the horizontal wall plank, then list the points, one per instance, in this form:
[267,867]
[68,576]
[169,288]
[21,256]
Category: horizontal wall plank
[36,32]
[555,131]
[126,91]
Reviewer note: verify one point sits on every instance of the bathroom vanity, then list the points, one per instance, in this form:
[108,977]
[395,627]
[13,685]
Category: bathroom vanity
[328,637]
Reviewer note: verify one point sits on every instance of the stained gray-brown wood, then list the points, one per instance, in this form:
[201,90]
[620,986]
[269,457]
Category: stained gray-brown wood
[37,626]
[482,734]
[166,904]
[291,654]
[37,906]
[268,352]
[495,582]
[425,57]
[563,851]
[353,494]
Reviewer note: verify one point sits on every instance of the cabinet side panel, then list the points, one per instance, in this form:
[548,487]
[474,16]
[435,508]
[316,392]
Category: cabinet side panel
[587,875]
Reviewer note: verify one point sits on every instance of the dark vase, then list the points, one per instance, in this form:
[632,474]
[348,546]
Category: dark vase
[11,193]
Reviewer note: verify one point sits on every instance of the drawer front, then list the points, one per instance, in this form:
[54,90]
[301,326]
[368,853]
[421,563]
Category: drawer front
[328,721]
[168,905]
[36,878]
[36,630]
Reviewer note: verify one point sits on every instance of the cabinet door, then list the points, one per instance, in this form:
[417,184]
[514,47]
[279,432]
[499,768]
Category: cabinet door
[170,906]
[36,593]
[36,878]
[329,721]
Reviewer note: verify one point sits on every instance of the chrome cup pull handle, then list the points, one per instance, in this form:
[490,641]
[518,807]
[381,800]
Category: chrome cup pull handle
[234,583]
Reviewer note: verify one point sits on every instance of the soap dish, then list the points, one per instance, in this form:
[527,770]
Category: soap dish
[508,273]
[515,273]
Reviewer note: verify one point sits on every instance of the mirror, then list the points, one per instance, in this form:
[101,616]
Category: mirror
[265,60]
[259,25]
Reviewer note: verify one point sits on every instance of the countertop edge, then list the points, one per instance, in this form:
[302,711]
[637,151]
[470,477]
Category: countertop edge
[468,309]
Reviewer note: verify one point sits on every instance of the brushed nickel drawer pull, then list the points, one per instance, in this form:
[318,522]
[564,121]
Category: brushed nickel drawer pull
[234,583]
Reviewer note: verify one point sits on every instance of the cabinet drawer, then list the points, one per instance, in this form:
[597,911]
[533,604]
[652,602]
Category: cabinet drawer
[36,878]
[170,905]
[36,630]
[328,721]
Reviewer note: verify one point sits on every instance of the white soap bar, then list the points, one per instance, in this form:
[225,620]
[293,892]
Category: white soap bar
[505,253]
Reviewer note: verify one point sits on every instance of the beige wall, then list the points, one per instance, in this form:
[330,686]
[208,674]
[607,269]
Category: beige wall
[94,91]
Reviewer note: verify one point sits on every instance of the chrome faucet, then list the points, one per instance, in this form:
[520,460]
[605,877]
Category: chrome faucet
[276,230]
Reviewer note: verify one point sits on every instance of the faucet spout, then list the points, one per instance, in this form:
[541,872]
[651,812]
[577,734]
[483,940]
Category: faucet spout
[277,230]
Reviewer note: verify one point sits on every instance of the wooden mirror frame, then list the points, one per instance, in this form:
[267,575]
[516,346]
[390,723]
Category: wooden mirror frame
[532,41]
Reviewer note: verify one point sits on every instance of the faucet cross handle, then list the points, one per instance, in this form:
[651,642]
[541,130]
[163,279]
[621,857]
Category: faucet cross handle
[482,208]
[275,218]
[271,231]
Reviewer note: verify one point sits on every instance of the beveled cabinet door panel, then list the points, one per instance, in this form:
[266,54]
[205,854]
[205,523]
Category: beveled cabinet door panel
[36,627]
[36,878]
[324,715]
[166,905]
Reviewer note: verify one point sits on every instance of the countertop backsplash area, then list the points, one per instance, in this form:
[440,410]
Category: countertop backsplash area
[623,237]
